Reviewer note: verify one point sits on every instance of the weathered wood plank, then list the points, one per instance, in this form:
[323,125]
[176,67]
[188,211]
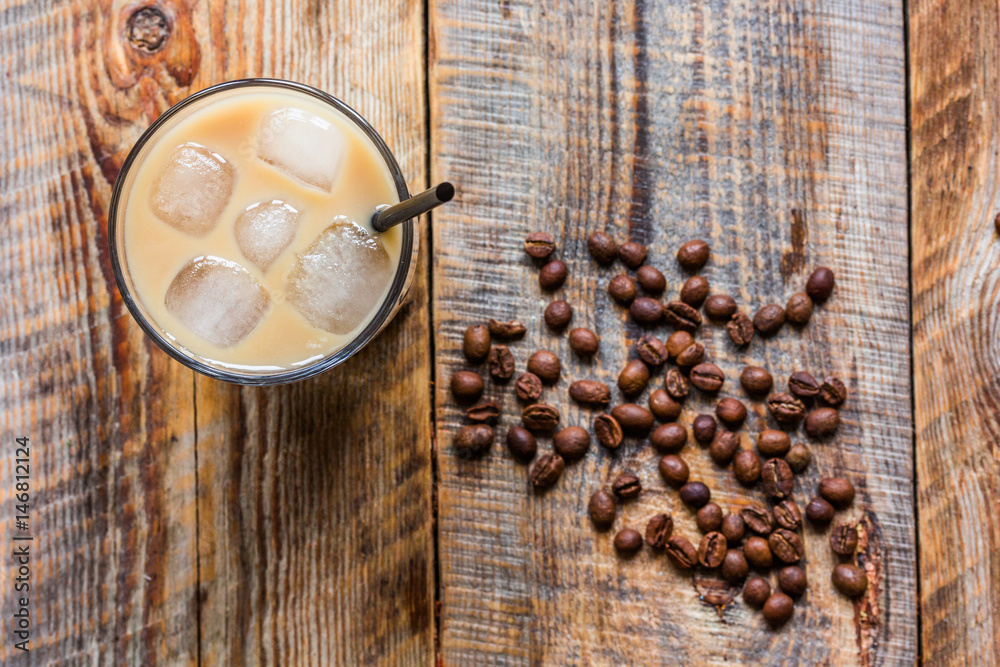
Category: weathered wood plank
[776,131]
[955,119]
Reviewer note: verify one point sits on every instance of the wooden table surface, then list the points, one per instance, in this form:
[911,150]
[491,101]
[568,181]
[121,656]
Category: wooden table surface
[180,520]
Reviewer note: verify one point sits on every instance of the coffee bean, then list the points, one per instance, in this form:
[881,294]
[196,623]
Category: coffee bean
[501,363]
[681,552]
[539,245]
[651,350]
[703,428]
[792,580]
[632,254]
[844,540]
[626,486]
[772,443]
[506,330]
[707,377]
[756,381]
[747,467]
[695,494]
[850,580]
[837,491]
[669,437]
[733,528]
[590,392]
[756,591]
[731,412]
[724,446]
[769,319]
[819,512]
[778,610]
[658,530]
[663,407]
[735,567]
[820,284]
[602,509]
[521,443]
[584,342]
[709,518]
[553,275]
[476,343]
[474,440]
[602,247]
[466,386]
[633,418]
[786,409]
[545,365]
[833,391]
[674,470]
[777,478]
[608,431]
[695,291]
[740,329]
[757,553]
[651,280]
[571,443]
[676,384]
[485,412]
[712,550]
[558,315]
[692,356]
[546,470]
[528,387]
[622,289]
[758,519]
[682,317]
[677,342]
[803,385]
[799,308]
[645,310]
[540,417]
[822,423]
[798,457]
[693,254]
[628,542]
[786,545]
[720,307]
[788,515]
[633,378]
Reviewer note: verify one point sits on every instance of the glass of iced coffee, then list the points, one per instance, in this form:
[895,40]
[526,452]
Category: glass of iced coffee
[241,237]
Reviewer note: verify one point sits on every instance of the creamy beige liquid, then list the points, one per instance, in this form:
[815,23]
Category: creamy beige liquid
[155,251]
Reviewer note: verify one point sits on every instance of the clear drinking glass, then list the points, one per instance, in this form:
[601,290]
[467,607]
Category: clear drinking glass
[119,262]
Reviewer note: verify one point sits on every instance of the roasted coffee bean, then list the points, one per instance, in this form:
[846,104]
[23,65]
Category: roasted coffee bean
[633,378]
[539,245]
[712,550]
[501,363]
[720,307]
[756,381]
[731,412]
[777,478]
[584,342]
[674,470]
[756,591]
[692,356]
[553,275]
[669,437]
[792,580]
[778,610]
[772,443]
[724,446]
[622,289]
[757,553]
[521,443]
[540,417]
[844,539]
[571,443]
[663,407]
[546,470]
[545,365]
[799,308]
[703,428]
[466,386]
[628,542]
[733,528]
[658,530]
[608,431]
[693,254]
[822,423]
[632,254]
[602,247]
[788,515]
[633,418]
[682,317]
[602,509]
[474,440]
[786,545]
[651,280]
[798,457]
[695,494]
[476,343]
[769,319]
[837,491]
[819,512]
[558,315]
[735,567]
[506,330]
[707,377]
[677,342]
[820,284]
[485,412]
[803,385]
[695,291]
[758,519]
[786,409]
[850,580]
[646,310]
[833,391]
[681,552]
[626,486]
[709,518]
[528,387]
[740,329]
[590,392]
[676,384]
[747,467]
[651,350]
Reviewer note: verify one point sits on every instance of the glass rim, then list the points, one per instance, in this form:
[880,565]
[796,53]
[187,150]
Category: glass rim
[381,317]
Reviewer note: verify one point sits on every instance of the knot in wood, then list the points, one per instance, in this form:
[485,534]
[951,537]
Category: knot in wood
[148,29]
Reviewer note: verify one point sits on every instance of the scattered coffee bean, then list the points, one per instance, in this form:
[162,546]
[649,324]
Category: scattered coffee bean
[651,350]
[485,412]
[720,307]
[788,515]
[695,291]
[833,391]
[584,342]
[646,310]
[558,315]
[602,509]
[528,387]
[693,255]
[799,308]
[695,494]
[798,457]
[669,438]
[546,470]
[758,519]
[677,342]
[501,363]
[772,443]
[476,343]
[712,550]
[820,284]
[681,552]
[692,356]
[838,491]
[786,545]
[622,289]
[676,384]
[756,381]
[822,423]
[474,440]
[769,319]
[590,392]
[803,385]
[663,407]
[658,530]
[786,409]
[633,418]
[844,540]
[731,412]
[724,446]
[707,376]
[545,365]
[521,443]
[539,245]
[632,254]
[540,417]
[703,428]
[466,386]
[735,567]
[571,443]
[674,470]
[756,591]
[608,431]
[740,329]
[733,528]
[850,580]
[628,542]
[792,580]
[778,610]
[819,512]
[777,478]
[602,247]
[633,378]
[651,280]
[709,518]
[747,467]
[758,553]
[506,330]
[553,275]
[682,317]
[626,486]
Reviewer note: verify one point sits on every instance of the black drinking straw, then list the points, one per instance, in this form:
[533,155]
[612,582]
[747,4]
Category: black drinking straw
[412,207]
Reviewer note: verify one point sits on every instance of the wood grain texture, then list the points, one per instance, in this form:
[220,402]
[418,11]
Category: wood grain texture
[776,131]
[955,119]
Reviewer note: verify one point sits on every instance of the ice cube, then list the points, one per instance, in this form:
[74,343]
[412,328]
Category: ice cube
[340,278]
[217,299]
[264,230]
[193,189]
[302,145]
